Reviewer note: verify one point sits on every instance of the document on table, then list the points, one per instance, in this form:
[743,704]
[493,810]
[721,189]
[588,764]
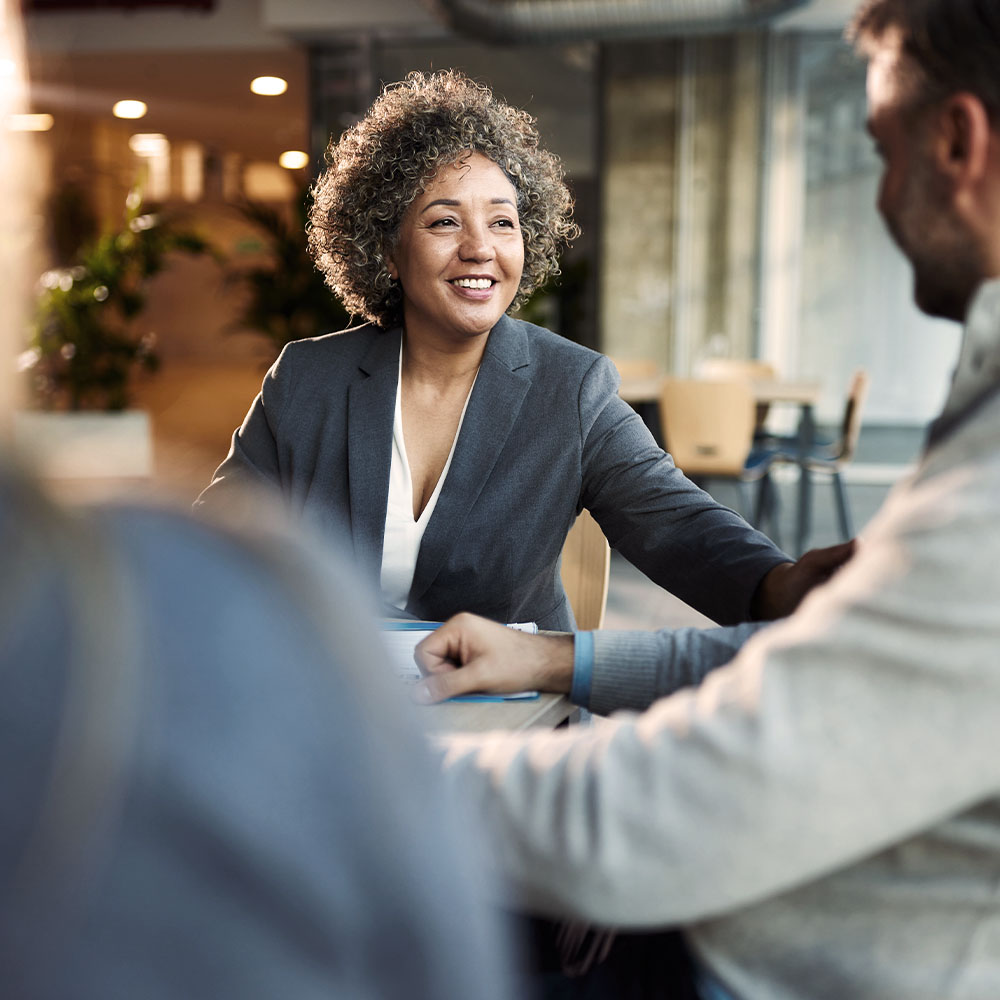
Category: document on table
[401,638]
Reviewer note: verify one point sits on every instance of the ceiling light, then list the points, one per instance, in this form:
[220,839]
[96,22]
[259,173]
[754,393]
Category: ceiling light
[293,159]
[129,109]
[149,144]
[30,123]
[268,86]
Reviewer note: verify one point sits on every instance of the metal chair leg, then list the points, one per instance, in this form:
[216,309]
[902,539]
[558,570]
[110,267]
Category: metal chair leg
[805,510]
[843,511]
[773,513]
[763,503]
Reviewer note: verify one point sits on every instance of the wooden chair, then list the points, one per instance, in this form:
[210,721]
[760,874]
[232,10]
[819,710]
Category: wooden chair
[830,459]
[745,368]
[708,426]
[585,571]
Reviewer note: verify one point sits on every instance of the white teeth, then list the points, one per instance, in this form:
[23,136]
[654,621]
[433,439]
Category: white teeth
[472,282]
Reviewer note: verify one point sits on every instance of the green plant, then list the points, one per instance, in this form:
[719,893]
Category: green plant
[286,297]
[85,340]
[559,303]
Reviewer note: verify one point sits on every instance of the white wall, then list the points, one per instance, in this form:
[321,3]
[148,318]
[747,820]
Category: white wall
[842,299]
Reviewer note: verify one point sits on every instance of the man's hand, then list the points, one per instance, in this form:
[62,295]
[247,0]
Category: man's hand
[780,592]
[469,654]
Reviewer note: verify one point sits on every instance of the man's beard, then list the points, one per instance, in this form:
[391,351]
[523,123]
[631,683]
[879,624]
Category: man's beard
[945,260]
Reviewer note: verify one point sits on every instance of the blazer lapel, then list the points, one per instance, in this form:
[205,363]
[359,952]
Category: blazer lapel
[371,405]
[502,383]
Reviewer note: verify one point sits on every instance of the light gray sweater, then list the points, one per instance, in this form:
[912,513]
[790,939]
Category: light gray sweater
[822,814]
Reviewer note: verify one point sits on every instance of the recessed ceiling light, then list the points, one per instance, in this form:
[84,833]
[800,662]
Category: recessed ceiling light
[30,123]
[149,144]
[293,159]
[268,86]
[129,109]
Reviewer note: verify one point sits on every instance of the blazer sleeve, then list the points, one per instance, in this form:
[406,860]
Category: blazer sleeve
[681,538]
[252,462]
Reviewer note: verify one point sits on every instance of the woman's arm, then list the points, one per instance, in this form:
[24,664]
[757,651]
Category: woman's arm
[676,533]
[252,462]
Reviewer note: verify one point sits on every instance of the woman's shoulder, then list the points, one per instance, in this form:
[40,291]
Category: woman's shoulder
[342,344]
[549,349]
[341,355]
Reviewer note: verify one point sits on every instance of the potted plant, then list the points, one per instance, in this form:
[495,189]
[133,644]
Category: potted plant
[286,297]
[86,344]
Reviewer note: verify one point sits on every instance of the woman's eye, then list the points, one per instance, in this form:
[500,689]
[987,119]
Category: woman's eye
[442,223]
[505,223]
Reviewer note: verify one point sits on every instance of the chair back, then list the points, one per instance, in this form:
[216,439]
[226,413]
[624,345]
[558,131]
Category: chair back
[585,571]
[708,425]
[733,368]
[850,430]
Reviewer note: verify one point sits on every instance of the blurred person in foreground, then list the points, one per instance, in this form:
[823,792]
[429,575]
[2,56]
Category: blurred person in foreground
[821,816]
[209,788]
[454,444]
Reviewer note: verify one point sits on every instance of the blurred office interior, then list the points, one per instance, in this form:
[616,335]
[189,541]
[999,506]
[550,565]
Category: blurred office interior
[724,184]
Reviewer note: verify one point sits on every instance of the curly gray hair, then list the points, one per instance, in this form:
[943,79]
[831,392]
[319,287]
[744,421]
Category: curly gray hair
[382,163]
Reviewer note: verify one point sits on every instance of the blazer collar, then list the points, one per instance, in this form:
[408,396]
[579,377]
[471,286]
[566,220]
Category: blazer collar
[499,392]
[371,404]
[508,344]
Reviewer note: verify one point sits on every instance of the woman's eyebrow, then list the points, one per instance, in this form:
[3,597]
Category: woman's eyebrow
[440,201]
[454,203]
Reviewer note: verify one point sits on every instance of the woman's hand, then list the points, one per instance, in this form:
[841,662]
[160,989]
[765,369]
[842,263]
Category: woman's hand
[781,590]
[469,654]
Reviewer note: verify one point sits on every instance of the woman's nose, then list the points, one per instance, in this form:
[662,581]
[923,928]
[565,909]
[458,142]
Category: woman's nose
[475,244]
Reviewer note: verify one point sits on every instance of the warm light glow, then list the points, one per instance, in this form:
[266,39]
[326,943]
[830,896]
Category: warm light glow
[149,144]
[129,109]
[30,123]
[268,86]
[293,159]
[191,159]
[7,67]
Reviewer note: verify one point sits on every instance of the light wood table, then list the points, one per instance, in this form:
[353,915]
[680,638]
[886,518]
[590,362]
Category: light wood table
[547,710]
[799,392]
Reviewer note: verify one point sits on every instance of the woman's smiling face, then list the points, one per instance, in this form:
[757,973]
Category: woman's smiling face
[459,253]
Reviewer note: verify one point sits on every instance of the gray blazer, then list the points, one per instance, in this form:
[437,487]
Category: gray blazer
[545,434]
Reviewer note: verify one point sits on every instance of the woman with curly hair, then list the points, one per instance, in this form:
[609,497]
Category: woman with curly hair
[453,444]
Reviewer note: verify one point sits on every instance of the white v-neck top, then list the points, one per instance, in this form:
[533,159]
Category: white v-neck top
[403,535]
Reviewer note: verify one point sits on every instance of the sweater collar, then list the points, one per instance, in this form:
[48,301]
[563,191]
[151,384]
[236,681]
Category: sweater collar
[977,374]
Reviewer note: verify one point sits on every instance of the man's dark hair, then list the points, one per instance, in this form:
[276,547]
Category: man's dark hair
[956,43]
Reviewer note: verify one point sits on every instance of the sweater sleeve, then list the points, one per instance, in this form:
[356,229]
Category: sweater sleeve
[631,670]
[678,535]
[864,720]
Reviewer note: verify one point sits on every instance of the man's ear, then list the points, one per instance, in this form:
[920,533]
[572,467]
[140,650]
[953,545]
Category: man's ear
[964,138]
